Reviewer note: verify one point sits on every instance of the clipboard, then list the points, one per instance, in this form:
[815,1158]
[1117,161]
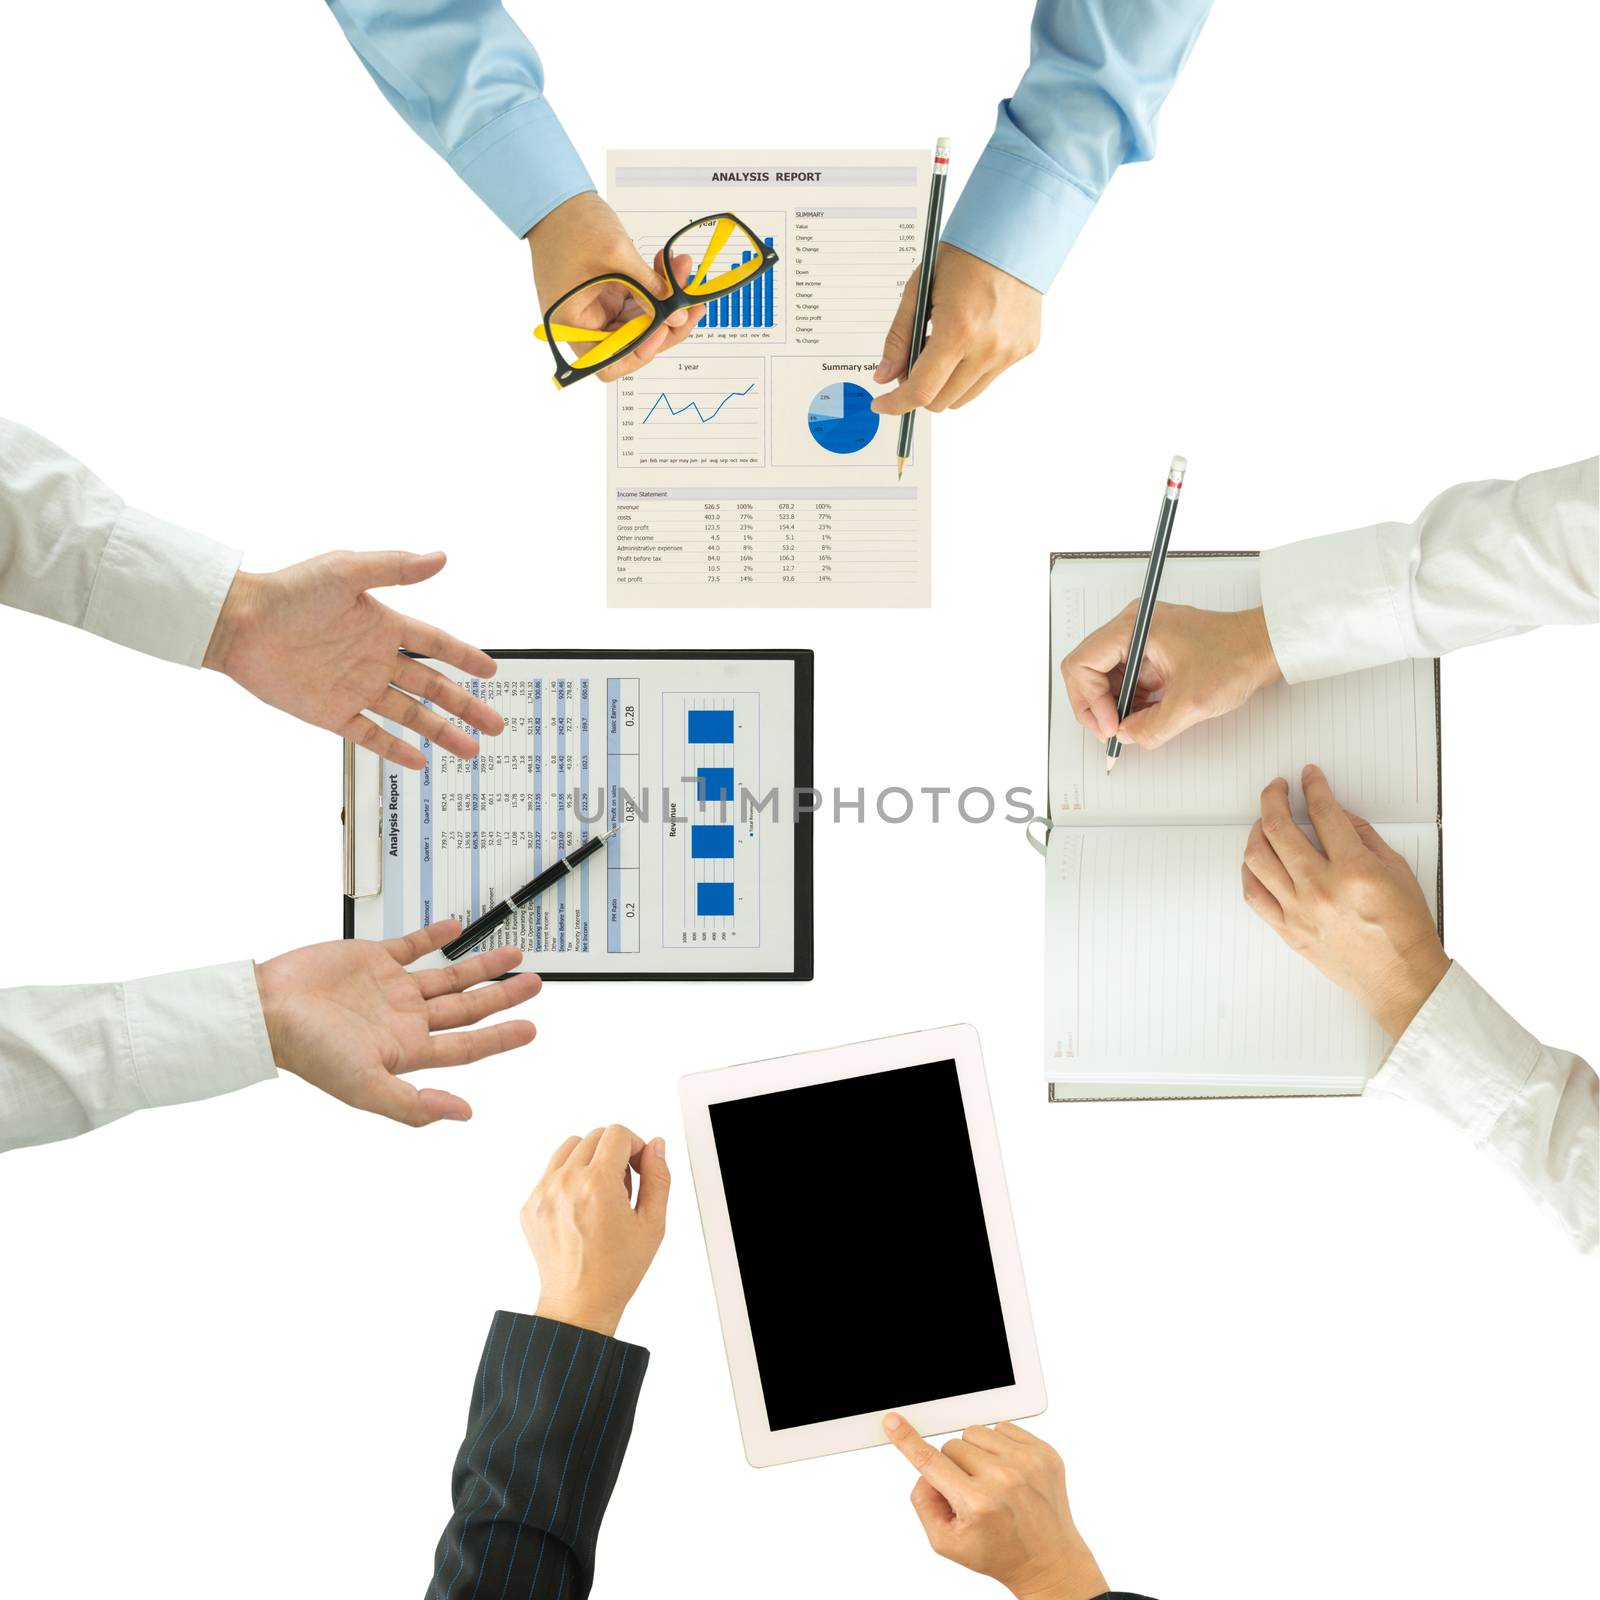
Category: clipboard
[361,816]
[1060,1092]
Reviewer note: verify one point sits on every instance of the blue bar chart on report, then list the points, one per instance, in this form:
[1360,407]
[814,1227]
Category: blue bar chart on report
[746,466]
[711,835]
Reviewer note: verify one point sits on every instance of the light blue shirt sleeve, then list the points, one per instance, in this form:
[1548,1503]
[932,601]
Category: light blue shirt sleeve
[465,77]
[1099,72]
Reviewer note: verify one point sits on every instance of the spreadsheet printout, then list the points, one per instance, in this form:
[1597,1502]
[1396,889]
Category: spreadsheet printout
[746,466]
[683,756]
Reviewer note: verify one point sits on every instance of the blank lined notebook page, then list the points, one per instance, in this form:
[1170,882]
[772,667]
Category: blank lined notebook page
[1374,733]
[1157,973]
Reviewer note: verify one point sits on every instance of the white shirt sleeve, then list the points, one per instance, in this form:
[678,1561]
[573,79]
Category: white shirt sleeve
[76,1057]
[1483,561]
[1535,1110]
[72,550]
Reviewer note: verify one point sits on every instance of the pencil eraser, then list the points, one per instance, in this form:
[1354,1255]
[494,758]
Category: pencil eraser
[1176,471]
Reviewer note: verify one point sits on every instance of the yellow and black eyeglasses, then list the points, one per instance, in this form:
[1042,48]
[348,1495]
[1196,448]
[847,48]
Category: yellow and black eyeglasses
[600,321]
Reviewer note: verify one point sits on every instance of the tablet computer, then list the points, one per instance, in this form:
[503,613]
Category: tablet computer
[861,1244]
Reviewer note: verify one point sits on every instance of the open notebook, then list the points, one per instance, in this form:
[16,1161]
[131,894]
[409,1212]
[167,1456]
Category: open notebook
[1159,980]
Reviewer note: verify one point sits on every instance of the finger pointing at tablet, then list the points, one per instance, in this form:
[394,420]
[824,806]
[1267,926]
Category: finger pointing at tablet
[995,1501]
[592,1240]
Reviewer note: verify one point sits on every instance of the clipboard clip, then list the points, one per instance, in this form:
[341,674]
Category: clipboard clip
[351,818]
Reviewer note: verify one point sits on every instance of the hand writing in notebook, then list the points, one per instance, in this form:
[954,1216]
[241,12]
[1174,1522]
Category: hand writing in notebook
[348,1017]
[311,641]
[1352,908]
[995,1501]
[1197,664]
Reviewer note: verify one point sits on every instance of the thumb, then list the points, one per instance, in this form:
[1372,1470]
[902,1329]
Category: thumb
[655,1183]
[1156,724]
[400,1101]
[381,569]
[897,344]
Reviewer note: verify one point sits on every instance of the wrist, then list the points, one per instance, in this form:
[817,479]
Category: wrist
[579,1313]
[233,622]
[1076,1575]
[1257,649]
[564,216]
[1419,975]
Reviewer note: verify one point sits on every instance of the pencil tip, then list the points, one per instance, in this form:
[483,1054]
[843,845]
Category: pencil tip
[900,466]
[1111,761]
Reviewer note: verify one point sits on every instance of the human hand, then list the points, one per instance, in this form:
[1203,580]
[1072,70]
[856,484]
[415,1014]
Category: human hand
[347,1017]
[1353,908]
[981,321]
[311,641]
[1197,664]
[995,1501]
[592,1244]
[582,238]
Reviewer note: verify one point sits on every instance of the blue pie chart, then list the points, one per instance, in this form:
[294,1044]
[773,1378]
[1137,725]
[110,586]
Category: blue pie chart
[841,418]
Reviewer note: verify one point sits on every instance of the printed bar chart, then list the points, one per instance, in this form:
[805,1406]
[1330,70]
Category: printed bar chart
[710,727]
[750,305]
[715,783]
[711,842]
[714,899]
[711,853]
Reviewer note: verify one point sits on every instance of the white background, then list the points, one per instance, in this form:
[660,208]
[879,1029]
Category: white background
[1319,1349]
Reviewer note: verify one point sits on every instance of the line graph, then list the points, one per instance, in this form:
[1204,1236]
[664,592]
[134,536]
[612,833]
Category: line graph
[694,405]
[703,411]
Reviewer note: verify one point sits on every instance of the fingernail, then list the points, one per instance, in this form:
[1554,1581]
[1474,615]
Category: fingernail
[463,1115]
[894,1422]
[658,1147]
[1312,770]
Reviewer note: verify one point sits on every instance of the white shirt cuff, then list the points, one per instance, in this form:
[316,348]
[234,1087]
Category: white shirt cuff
[159,588]
[1463,1056]
[193,1035]
[1329,607]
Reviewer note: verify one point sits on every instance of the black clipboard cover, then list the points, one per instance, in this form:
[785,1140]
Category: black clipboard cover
[804,778]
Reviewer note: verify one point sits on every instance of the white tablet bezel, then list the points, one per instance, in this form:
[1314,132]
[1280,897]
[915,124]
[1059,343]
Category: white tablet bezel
[1024,1397]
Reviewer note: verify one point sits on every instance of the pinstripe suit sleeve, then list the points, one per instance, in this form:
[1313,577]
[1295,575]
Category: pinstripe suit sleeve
[551,1413]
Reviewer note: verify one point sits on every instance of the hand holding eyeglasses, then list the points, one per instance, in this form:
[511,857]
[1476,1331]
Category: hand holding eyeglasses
[612,321]
[582,239]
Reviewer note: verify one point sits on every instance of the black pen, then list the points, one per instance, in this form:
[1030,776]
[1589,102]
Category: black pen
[490,920]
[919,318]
[1147,602]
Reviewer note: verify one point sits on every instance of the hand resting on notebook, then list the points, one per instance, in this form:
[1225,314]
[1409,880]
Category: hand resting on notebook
[1353,908]
[1197,664]
[347,1017]
[995,1501]
[311,641]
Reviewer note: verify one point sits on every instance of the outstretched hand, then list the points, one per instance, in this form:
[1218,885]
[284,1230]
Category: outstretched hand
[311,641]
[348,1017]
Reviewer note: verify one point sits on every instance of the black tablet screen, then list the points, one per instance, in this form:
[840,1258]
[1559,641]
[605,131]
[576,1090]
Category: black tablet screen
[861,1242]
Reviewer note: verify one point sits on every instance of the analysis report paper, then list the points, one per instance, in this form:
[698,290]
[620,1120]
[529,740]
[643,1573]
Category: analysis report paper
[746,467]
[676,752]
